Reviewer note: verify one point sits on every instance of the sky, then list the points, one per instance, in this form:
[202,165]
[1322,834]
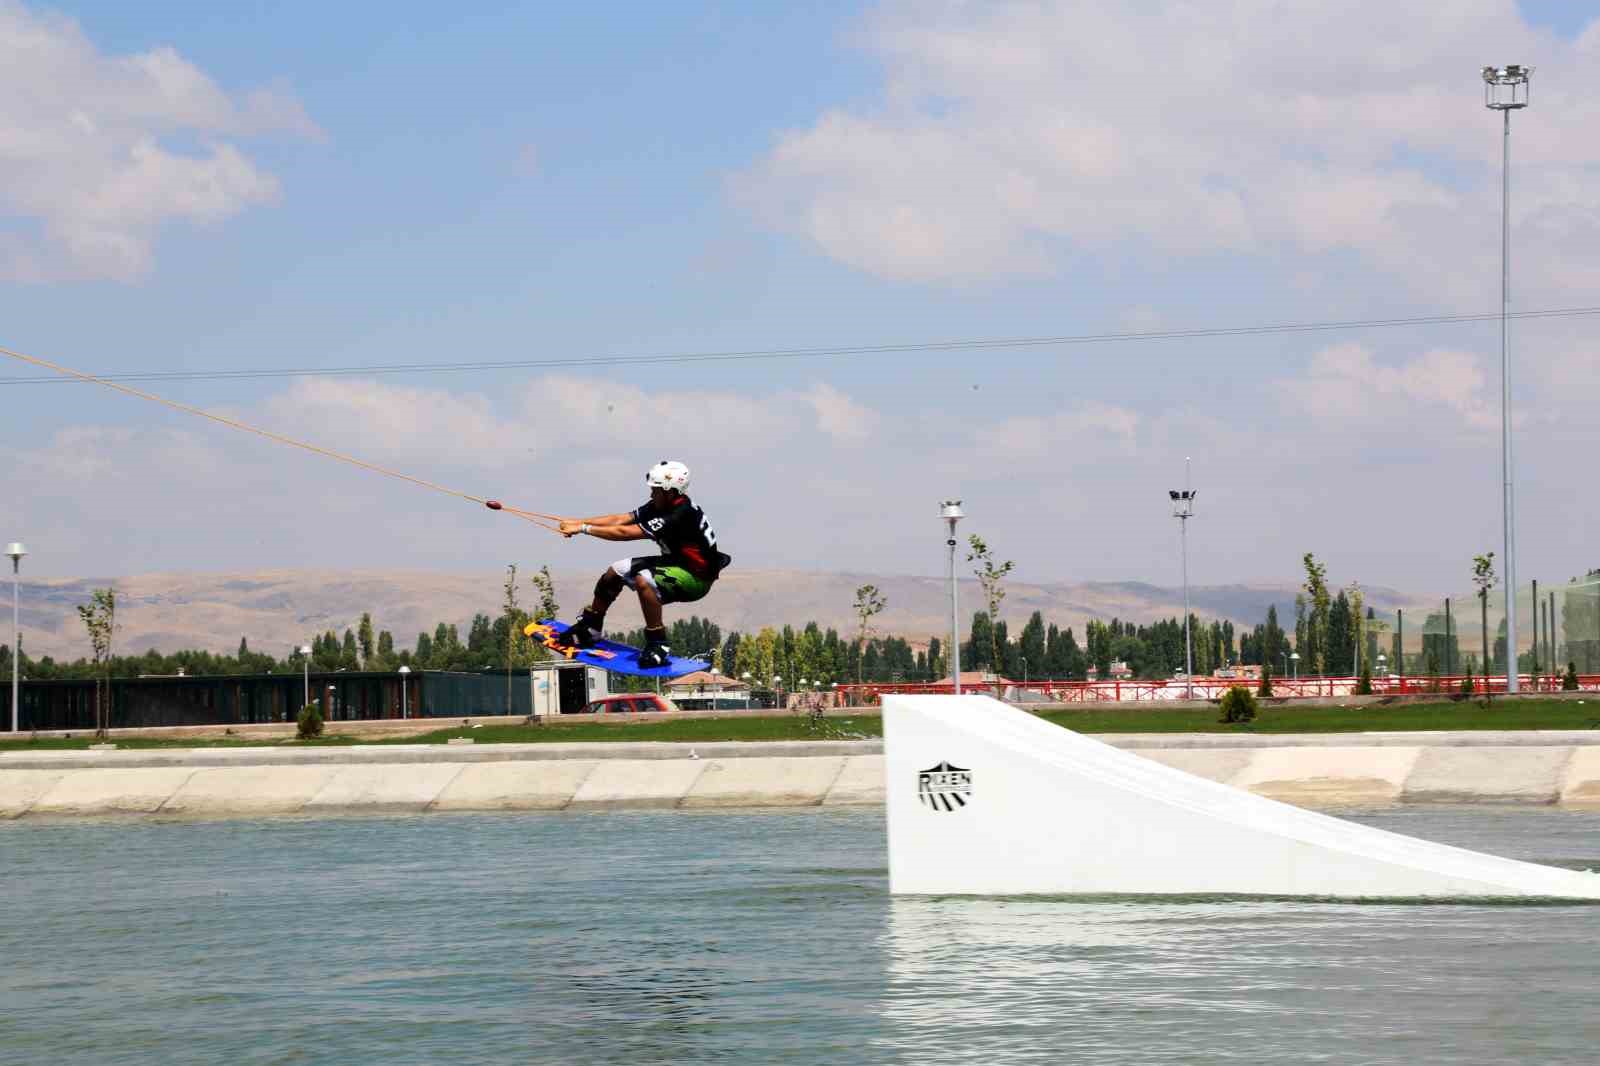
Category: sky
[298,187]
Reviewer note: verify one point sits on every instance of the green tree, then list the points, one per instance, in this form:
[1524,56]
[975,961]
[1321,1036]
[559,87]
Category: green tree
[1483,576]
[1358,625]
[979,652]
[386,658]
[545,586]
[1339,645]
[365,639]
[991,577]
[1238,706]
[869,603]
[1031,647]
[1302,626]
[1315,653]
[99,617]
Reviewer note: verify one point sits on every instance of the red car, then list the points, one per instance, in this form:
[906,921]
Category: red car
[630,703]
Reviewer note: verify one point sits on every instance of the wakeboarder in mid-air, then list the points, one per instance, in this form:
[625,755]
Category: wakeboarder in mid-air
[687,567]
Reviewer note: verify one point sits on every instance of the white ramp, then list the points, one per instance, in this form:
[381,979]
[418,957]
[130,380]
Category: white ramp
[984,799]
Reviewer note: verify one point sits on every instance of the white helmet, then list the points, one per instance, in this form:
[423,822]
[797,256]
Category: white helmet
[668,474]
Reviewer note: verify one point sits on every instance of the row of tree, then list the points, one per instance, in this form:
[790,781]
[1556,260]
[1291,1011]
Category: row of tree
[1331,630]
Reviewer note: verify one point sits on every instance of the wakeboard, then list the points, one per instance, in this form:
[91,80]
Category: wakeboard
[606,654]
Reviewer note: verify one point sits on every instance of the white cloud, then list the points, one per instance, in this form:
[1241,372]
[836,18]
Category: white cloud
[1091,426]
[373,420]
[1345,382]
[1074,493]
[1010,131]
[840,417]
[89,155]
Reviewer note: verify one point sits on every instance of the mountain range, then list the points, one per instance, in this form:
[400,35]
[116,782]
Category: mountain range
[278,609]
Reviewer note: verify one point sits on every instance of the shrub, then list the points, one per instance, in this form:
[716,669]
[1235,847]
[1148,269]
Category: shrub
[309,722]
[1265,688]
[1364,682]
[1466,686]
[1238,705]
[1569,681]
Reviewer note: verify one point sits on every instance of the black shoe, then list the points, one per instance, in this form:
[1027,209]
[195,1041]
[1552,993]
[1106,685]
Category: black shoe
[586,630]
[655,651]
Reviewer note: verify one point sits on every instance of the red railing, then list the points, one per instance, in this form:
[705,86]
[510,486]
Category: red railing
[1206,688]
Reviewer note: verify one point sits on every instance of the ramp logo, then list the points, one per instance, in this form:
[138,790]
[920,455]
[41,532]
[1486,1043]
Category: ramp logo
[944,787]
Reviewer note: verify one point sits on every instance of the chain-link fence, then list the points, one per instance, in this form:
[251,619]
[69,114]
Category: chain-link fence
[1558,627]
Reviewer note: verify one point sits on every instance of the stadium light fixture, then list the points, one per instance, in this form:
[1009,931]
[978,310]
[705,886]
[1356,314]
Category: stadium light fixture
[305,663]
[16,551]
[950,511]
[1505,89]
[1183,510]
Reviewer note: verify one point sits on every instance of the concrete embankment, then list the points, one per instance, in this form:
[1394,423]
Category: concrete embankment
[1370,769]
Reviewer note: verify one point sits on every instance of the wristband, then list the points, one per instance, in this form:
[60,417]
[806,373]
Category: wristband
[584,528]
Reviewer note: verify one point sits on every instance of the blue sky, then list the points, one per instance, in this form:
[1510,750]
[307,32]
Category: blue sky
[351,186]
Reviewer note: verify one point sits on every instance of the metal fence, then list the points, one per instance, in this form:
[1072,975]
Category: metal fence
[1558,625]
[1211,688]
[258,698]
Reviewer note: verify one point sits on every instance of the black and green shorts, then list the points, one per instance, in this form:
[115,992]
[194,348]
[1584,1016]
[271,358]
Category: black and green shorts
[672,582]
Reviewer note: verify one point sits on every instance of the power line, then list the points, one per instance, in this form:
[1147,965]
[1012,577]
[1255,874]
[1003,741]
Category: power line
[798,353]
[540,518]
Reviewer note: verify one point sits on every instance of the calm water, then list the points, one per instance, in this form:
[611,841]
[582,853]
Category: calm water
[739,938]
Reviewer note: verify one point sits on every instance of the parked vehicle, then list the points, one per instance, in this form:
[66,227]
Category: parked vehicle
[630,703]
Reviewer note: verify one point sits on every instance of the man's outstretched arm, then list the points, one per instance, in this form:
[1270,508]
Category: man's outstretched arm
[628,530]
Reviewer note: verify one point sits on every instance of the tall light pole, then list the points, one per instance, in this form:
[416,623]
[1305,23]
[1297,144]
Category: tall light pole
[1505,89]
[404,706]
[950,511]
[16,551]
[1183,510]
[305,661]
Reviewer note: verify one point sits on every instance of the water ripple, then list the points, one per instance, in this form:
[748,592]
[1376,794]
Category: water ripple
[738,938]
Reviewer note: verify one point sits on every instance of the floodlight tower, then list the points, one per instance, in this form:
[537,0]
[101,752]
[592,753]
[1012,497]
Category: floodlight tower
[1505,89]
[950,511]
[1183,510]
[16,551]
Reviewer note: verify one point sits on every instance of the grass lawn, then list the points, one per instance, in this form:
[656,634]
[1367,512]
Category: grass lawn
[1500,713]
[1128,718]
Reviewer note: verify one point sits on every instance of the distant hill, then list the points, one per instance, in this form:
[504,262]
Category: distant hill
[277,609]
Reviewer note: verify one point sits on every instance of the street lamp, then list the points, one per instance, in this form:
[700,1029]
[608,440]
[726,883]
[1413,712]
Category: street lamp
[1296,660]
[404,705]
[745,677]
[777,685]
[305,660]
[16,551]
[950,511]
[1505,89]
[1183,510]
[327,704]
